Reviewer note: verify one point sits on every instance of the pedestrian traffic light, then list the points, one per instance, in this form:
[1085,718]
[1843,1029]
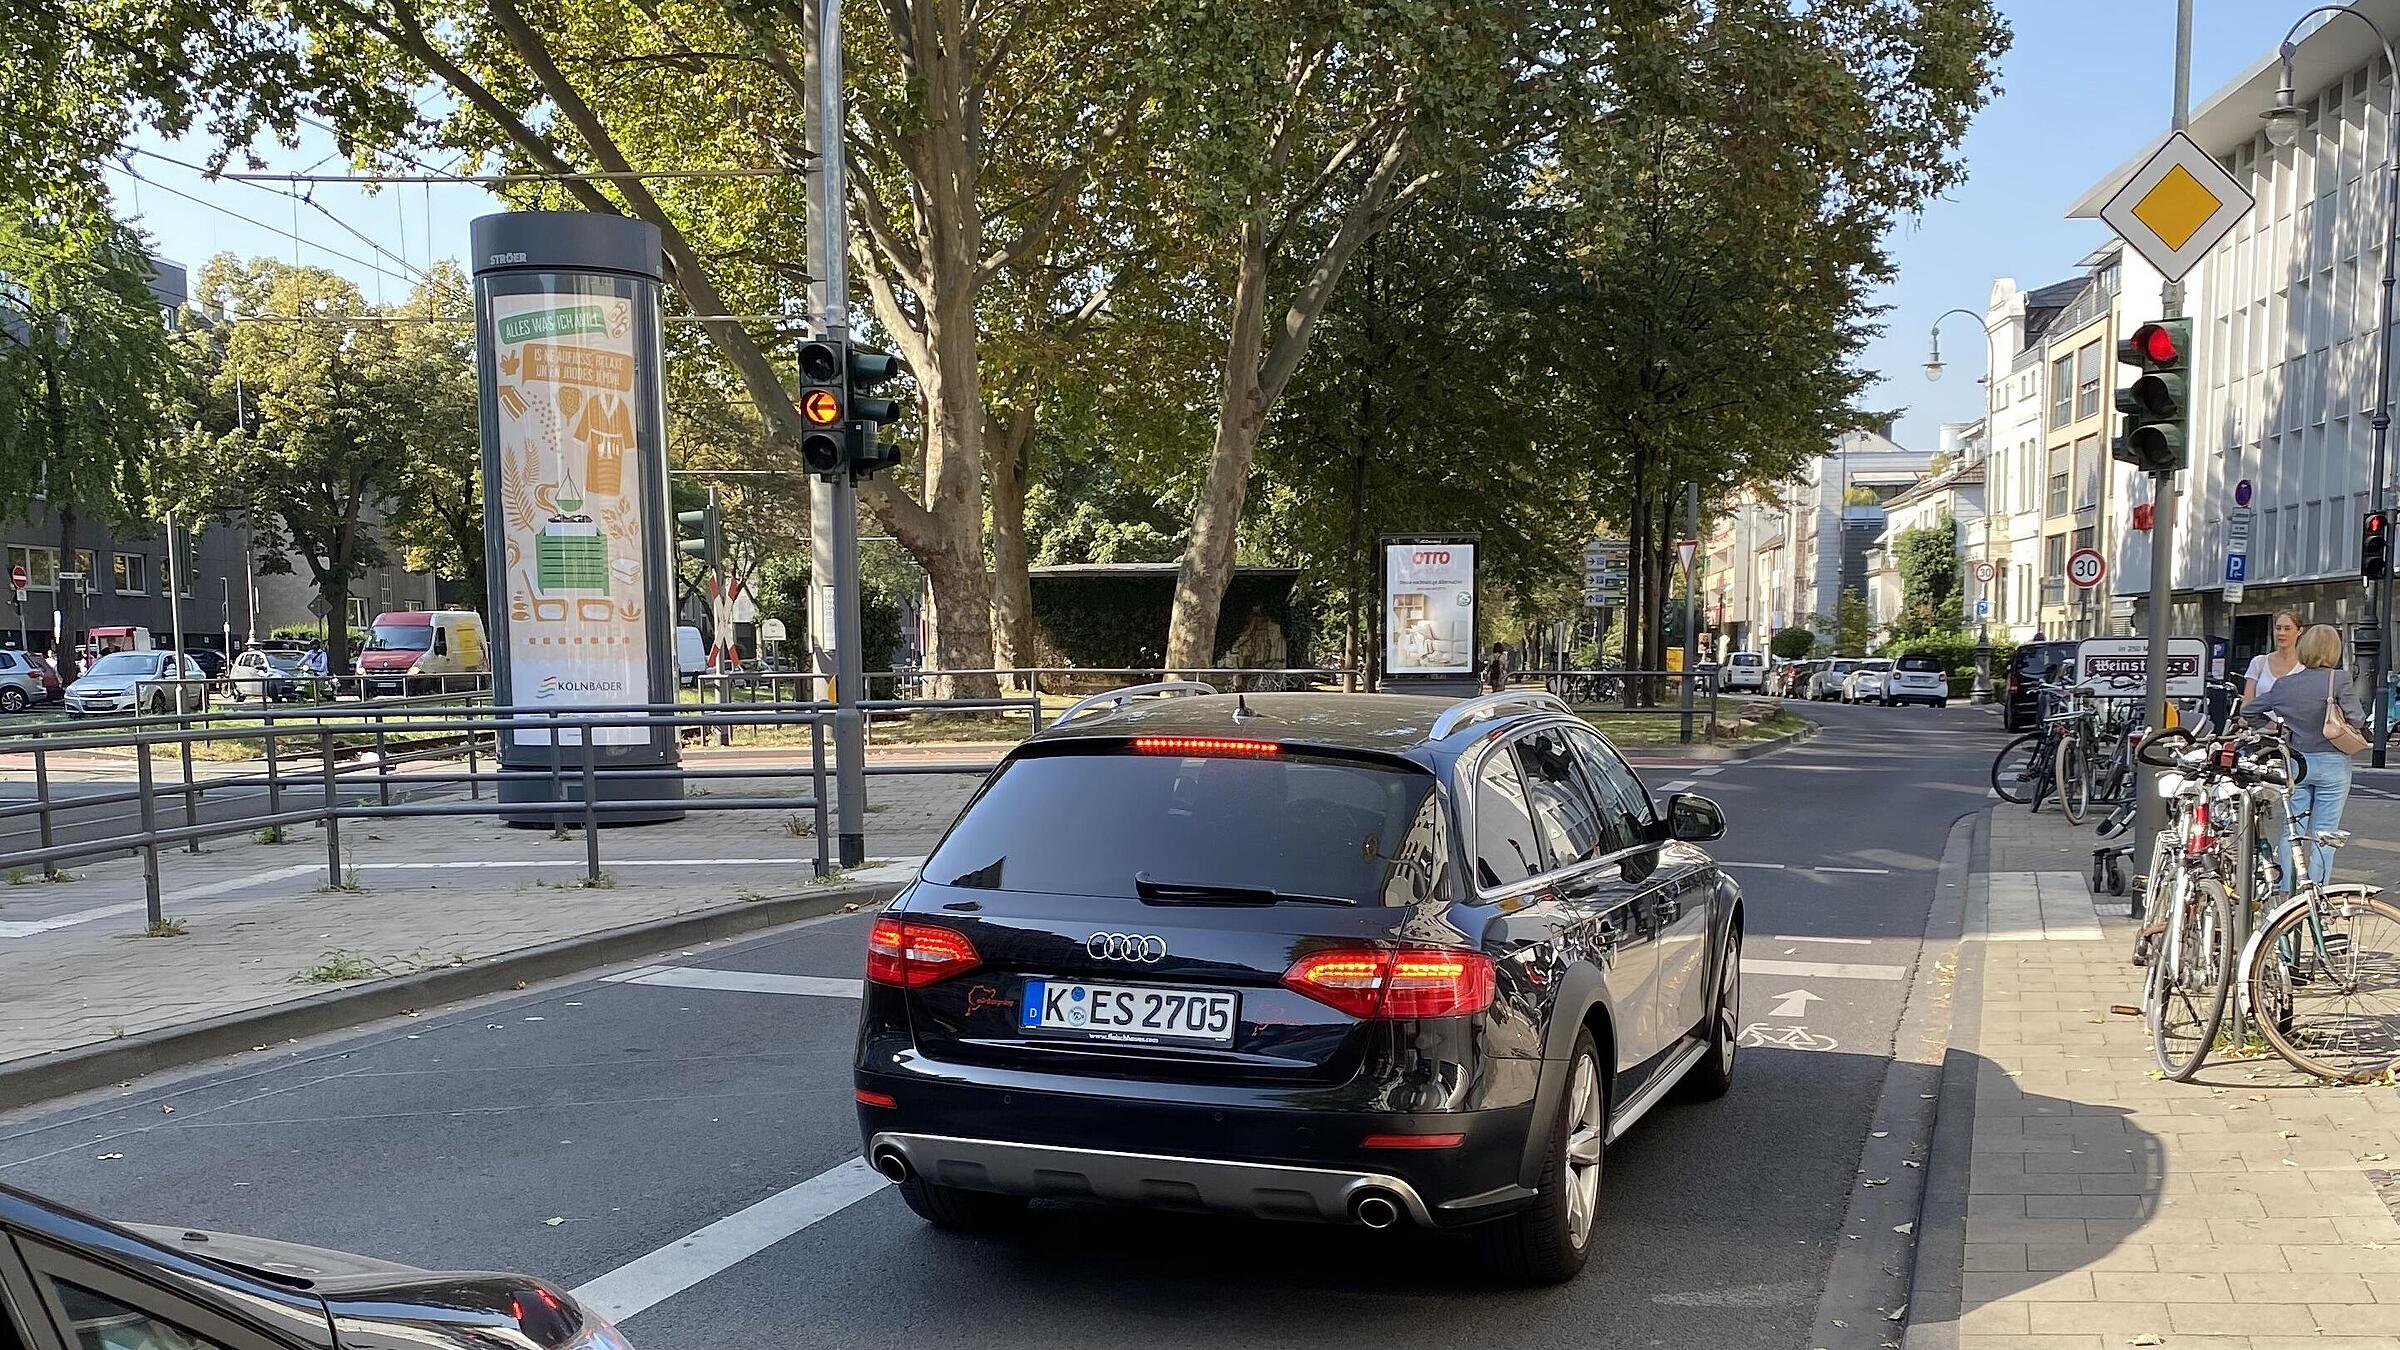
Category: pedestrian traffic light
[697,534]
[2375,547]
[824,406]
[2157,404]
[869,413]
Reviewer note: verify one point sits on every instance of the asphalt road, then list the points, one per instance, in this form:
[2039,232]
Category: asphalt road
[585,1129]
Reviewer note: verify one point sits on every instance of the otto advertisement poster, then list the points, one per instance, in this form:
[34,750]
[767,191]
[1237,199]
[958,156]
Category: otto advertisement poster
[574,510]
[1429,607]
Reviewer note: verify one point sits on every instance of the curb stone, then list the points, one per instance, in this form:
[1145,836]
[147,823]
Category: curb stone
[1938,1278]
[35,1078]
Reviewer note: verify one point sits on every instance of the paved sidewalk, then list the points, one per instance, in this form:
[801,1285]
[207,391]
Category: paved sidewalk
[2104,1207]
[260,926]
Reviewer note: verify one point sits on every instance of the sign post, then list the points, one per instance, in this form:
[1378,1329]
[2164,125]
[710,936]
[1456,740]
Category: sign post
[16,585]
[575,480]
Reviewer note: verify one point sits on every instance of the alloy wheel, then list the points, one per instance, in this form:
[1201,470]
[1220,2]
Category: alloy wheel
[1587,1139]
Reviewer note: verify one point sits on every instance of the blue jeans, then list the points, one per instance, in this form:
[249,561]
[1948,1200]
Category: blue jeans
[2318,801]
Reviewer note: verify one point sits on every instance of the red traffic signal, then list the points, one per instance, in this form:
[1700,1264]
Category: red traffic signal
[2375,547]
[2157,343]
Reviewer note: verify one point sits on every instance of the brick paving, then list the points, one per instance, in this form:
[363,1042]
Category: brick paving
[76,969]
[2253,1208]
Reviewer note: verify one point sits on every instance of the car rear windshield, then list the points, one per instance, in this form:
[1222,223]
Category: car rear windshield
[1921,664]
[1748,659]
[1092,823]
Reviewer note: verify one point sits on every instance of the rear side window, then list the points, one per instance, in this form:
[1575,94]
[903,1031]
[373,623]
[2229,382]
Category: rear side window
[1506,850]
[1747,659]
[8,661]
[1091,824]
[1620,786]
[1921,664]
[1562,805]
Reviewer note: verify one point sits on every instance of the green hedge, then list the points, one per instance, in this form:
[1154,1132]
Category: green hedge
[1957,653]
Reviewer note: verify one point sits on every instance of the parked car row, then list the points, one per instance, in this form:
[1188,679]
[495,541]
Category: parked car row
[1914,677]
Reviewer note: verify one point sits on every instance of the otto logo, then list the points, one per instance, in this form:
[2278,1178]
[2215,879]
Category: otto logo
[1434,556]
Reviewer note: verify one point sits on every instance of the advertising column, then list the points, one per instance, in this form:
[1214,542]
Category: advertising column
[1429,602]
[575,504]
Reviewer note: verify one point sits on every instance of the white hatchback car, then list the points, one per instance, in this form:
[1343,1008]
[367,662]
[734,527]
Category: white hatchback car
[1918,677]
[1867,682]
[1743,670]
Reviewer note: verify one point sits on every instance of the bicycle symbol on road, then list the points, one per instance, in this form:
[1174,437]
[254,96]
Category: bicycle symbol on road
[1760,1035]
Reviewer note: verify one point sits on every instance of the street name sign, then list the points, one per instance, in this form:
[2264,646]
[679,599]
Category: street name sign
[2118,667]
[2176,206]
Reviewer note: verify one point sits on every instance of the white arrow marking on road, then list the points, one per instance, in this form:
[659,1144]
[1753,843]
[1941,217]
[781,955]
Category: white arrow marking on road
[1794,1004]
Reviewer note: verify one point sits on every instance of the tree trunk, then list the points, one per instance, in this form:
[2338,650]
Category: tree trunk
[1011,459]
[1637,581]
[70,600]
[1216,521]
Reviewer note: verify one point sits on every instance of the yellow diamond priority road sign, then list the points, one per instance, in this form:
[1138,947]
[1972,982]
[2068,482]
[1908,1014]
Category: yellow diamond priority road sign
[2176,206]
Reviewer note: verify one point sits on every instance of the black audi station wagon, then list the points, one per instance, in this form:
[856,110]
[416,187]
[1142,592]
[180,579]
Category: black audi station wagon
[1368,959]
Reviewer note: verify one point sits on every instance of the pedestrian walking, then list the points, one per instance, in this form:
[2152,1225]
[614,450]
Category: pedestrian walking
[2320,715]
[2268,667]
[1495,669]
[316,659]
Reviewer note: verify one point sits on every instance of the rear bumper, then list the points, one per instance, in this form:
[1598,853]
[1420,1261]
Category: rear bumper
[1151,1180]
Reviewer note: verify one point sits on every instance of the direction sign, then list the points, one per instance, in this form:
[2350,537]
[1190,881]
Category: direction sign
[2176,206]
[2086,568]
[2120,666]
[1984,571]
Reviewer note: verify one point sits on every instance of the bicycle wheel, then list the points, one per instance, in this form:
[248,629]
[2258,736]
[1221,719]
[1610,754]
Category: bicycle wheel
[2190,973]
[2324,986]
[2013,768]
[2072,772]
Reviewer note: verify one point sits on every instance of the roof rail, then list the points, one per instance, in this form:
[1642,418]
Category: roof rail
[1492,705]
[1116,699]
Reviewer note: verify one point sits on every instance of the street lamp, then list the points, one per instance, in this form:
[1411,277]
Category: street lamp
[2283,128]
[1933,358]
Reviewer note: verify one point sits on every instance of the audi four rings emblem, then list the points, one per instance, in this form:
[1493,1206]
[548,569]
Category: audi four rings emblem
[1144,947]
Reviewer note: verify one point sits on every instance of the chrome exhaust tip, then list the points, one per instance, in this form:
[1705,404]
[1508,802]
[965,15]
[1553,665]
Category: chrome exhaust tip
[1375,1210]
[892,1163]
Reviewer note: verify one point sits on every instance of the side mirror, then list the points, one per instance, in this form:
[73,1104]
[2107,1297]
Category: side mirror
[1694,819]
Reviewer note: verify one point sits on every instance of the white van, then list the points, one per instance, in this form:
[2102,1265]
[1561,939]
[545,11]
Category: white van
[423,651]
[1744,670]
[691,655]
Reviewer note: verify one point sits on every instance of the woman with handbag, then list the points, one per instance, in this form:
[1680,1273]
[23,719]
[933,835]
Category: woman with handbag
[2321,716]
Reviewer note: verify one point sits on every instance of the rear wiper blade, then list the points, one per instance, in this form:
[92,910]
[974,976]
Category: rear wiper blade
[1217,893]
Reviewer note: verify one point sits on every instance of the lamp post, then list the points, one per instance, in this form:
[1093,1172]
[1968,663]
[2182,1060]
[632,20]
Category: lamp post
[1982,692]
[2283,129]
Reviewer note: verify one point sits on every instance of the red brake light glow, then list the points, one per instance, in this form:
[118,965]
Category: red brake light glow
[1371,983]
[913,955]
[1203,745]
[881,1099]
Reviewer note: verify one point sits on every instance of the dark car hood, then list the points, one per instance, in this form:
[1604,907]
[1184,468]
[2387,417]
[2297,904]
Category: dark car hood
[285,1262]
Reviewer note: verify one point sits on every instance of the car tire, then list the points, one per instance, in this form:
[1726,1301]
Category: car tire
[957,1210]
[1712,1077]
[1540,1244]
[158,705]
[12,699]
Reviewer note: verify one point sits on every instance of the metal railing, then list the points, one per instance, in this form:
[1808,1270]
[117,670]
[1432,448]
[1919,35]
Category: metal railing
[1659,693]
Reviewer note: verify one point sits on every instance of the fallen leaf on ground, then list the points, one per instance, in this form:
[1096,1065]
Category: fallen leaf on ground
[109,1157]
[1899,1314]
[552,1222]
[1904,1228]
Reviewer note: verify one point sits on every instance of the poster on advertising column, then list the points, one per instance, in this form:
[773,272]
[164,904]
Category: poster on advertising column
[573,506]
[1429,606]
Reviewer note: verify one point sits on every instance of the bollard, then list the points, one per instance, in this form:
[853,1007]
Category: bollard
[383,764]
[333,809]
[474,788]
[1033,686]
[41,801]
[591,814]
[816,760]
[274,771]
[556,822]
[149,800]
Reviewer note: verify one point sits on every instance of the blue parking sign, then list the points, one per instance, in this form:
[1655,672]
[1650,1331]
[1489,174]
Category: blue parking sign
[2237,567]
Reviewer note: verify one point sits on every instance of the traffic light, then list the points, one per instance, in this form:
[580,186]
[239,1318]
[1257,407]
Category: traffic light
[697,534]
[824,406]
[2157,405]
[870,414]
[2375,547]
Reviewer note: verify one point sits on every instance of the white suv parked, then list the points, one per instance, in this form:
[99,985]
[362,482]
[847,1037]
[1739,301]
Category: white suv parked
[1744,670]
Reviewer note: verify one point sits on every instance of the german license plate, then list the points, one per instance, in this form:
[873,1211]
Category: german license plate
[1115,1012]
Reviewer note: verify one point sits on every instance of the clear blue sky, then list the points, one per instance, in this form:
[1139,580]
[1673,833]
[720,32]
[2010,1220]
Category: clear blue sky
[2085,85]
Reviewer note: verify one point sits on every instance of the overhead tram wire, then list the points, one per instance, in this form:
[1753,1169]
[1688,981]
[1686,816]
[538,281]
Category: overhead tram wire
[368,263]
[416,273]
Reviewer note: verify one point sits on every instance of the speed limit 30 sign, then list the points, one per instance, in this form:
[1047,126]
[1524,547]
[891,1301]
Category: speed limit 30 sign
[2086,568]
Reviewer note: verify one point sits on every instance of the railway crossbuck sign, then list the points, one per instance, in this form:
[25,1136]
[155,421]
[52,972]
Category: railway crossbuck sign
[2176,206]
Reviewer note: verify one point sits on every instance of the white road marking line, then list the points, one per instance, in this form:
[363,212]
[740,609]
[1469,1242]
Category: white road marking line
[1809,867]
[569,862]
[1711,769]
[28,927]
[1847,942]
[1763,867]
[1679,785]
[647,1281]
[737,981]
[1823,970]
[1854,871]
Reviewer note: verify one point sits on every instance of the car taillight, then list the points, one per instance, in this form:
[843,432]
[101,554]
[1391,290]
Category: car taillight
[1203,745]
[1370,982]
[913,955]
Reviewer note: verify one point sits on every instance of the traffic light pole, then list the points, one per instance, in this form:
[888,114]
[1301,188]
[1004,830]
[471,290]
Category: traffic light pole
[833,504]
[2151,813]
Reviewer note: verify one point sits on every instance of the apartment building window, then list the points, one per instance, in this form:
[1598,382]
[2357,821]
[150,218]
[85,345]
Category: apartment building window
[132,574]
[358,612]
[2059,464]
[2087,380]
[2054,570]
[2087,473]
[40,564]
[2062,391]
